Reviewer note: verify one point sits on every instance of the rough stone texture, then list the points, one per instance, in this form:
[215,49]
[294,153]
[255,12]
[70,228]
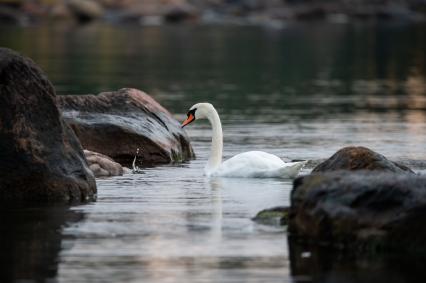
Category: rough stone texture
[118,123]
[360,158]
[360,210]
[40,157]
[102,165]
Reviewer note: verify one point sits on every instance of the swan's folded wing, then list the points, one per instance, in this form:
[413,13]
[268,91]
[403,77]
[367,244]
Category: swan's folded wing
[290,170]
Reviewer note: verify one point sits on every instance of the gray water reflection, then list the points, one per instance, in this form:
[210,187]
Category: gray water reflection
[146,228]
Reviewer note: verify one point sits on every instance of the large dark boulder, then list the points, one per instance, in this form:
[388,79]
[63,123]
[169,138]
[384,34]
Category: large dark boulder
[360,158]
[40,157]
[360,210]
[118,123]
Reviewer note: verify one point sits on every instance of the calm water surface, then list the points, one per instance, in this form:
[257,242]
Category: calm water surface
[301,93]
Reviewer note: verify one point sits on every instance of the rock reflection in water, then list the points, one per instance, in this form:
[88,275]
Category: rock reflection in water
[30,241]
[319,264]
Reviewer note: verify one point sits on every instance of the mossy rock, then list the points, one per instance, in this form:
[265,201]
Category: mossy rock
[273,216]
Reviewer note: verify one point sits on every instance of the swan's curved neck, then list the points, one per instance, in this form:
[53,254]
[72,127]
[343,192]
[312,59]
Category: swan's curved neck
[215,158]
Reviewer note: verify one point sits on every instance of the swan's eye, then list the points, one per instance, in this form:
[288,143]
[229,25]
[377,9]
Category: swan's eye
[191,112]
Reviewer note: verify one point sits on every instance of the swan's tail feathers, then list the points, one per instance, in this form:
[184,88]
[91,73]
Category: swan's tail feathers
[292,169]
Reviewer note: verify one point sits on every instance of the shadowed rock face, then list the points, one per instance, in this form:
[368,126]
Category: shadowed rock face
[360,158]
[118,123]
[40,157]
[360,210]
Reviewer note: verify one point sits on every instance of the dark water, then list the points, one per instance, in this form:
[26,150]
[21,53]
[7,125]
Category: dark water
[301,93]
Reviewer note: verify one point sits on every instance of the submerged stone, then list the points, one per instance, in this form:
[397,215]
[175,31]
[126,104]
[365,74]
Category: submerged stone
[40,157]
[102,165]
[273,216]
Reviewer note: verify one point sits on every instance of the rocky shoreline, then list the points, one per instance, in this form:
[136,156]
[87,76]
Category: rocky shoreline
[42,135]
[252,12]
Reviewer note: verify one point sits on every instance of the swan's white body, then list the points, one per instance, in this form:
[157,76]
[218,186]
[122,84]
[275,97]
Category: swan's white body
[257,164]
[251,164]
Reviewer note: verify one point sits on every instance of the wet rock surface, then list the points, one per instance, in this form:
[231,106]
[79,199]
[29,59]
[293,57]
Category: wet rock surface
[360,158]
[119,123]
[40,157]
[102,165]
[360,211]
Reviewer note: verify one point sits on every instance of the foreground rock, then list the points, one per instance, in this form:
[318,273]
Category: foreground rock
[118,123]
[40,157]
[361,211]
[102,165]
[360,158]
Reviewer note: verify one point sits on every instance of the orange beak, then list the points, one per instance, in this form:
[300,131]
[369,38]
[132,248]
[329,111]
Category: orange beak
[188,120]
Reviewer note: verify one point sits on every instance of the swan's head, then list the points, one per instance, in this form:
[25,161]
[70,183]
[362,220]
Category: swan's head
[198,111]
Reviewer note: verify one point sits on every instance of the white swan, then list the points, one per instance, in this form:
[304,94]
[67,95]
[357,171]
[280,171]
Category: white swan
[251,164]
